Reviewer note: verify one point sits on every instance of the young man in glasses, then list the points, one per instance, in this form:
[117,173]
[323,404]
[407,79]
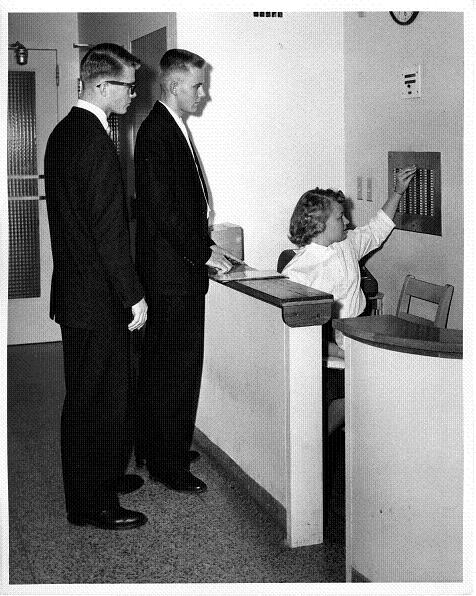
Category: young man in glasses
[96,296]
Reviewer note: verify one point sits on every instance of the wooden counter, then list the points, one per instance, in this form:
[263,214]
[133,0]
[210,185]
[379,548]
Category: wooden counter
[261,395]
[391,333]
[301,306]
[404,451]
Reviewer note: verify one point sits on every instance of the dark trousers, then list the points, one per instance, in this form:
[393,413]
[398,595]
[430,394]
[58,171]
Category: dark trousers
[95,438]
[170,372]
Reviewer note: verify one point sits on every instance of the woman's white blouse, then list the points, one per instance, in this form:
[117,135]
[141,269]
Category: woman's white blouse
[335,269]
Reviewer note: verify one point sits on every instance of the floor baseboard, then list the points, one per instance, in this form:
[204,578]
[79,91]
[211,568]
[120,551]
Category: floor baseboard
[266,501]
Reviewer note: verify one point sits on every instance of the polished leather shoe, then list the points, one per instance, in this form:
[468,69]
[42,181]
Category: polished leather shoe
[109,519]
[192,456]
[180,480]
[128,483]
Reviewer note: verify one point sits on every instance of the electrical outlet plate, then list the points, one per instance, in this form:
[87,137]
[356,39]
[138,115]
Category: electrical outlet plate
[410,82]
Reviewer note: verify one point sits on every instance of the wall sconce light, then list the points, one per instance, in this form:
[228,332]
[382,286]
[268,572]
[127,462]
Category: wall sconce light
[21,53]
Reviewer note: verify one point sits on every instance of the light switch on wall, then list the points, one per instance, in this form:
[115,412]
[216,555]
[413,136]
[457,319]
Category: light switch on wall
[369,189]
[359,188]
[410,82]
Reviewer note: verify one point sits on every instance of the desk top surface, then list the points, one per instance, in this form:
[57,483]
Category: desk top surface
[301,305]
[280,290]
[390,332]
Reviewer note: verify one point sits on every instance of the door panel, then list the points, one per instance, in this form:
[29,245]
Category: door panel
[150,49]
[32,115]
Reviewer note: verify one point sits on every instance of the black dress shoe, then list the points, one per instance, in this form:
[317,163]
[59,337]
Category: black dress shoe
[192,456]
[128,483]
[109,519]
[180,480]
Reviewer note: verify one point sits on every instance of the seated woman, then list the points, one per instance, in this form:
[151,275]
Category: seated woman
[328,255]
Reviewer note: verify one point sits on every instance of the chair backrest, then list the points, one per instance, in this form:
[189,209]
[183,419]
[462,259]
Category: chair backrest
[284,259]
[423,290]
[328,361]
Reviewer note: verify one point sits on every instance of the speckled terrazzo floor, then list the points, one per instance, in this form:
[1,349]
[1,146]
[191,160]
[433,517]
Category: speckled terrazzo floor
[220,536]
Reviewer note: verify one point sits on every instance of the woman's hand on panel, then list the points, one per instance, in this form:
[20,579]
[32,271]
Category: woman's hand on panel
[404,176]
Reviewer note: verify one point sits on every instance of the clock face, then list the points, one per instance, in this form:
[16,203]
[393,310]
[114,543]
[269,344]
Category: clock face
[403,17]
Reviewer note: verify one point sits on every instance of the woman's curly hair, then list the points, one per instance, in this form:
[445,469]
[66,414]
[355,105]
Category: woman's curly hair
[311,213]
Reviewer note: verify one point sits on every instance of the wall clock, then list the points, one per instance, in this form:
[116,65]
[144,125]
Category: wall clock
[403,17]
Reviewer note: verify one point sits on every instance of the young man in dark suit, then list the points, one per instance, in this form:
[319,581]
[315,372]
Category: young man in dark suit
[95,292]
[173,251]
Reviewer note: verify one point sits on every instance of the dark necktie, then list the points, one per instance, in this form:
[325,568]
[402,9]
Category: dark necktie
[199,169]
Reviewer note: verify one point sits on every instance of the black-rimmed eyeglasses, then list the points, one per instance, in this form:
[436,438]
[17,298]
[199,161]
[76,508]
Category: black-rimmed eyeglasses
[132,86]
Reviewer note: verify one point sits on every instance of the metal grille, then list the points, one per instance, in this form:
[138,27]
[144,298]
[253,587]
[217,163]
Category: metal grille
[268,14]
[23,187]
[24,249]
[114,126]
[23,215]
[21,124]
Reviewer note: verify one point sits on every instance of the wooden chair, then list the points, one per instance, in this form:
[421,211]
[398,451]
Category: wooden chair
[423,290]
[283,260]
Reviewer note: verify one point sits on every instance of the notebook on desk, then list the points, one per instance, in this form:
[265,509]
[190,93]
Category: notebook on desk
[241,271]
[247,274]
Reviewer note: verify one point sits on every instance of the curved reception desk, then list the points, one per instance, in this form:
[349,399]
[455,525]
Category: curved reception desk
[261,396]
[404,451]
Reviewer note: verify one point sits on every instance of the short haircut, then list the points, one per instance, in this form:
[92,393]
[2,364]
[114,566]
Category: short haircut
[176,60]
[106,60]
[311,213]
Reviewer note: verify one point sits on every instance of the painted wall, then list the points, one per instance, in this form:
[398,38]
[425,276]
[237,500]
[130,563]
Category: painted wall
[274,125]
[377,120]
[123,27]
[51,30]
[28,320]
[277,122]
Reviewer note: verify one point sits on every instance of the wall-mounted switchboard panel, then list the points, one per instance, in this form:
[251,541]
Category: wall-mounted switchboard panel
[419,209]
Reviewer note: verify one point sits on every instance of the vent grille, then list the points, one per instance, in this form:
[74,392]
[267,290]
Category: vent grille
[268,14]
[21,149]
[23,208]
[24,249]
[114,126]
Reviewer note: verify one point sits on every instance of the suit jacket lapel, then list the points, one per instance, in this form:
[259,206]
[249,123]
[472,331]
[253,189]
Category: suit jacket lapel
[91,120]
[166,119]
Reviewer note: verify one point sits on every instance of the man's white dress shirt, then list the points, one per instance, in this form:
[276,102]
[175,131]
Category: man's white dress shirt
[86,105]
[183,128]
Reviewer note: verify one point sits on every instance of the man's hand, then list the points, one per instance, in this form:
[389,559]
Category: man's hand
[226,253]
[139,312]
[218,259]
